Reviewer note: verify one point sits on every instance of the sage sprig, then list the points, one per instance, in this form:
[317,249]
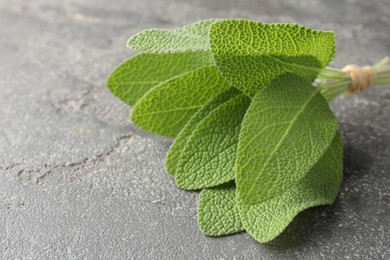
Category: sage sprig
[248,105]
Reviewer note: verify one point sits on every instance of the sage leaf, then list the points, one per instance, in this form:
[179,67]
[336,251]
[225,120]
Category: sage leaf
[194,37]
[209,155]
[176,148]
[137,75]
[286,129]
[166,108]
[218,213]
[320,186]
[251,54]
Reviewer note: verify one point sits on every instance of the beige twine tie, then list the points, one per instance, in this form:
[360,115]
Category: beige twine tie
[361,77]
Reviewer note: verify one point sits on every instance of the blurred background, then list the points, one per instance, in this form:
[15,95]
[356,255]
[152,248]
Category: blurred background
[79,180]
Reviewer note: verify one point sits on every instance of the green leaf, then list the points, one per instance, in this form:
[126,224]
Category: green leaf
[320,186]
[166,108]
[176,148]
[251,54]
[135,76]
[194,37]
[209,155]
[286,129]
[218,213]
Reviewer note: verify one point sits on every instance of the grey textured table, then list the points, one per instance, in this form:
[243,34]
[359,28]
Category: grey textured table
[78,180]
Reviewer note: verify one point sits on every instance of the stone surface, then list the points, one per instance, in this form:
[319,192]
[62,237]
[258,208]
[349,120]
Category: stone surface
[78,180]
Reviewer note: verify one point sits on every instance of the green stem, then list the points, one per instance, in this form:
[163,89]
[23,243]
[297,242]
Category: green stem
[335,82]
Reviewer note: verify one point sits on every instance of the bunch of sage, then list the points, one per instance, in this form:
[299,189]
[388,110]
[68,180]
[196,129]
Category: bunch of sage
[248,105]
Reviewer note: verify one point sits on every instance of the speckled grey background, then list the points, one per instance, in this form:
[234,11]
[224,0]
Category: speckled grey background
[79,181]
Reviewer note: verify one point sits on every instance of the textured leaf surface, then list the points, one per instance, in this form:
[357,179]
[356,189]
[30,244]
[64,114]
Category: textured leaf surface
[218,213]
[251,54]
[135,76]
[320,186]
[194,37]
[176,148]
[166,108]
[209,155]
[286,129]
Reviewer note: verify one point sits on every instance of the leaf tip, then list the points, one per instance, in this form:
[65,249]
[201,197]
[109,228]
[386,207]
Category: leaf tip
[131,40]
